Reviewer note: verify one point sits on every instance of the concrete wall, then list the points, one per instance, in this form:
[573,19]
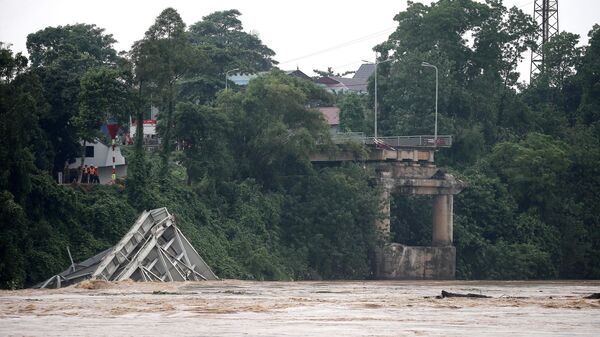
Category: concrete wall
[399,262]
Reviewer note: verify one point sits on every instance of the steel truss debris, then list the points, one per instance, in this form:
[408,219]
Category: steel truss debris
[154,249]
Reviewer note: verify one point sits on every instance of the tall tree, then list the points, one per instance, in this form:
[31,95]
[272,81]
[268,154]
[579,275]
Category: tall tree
[561,56]
[60,56]
[353,112]
[163,58]
[274,130]
[234,47]
[221,45]
[19,110]
[476,48]
[589,77]
[10,65]
[104,94]
[138,172]
[204,131]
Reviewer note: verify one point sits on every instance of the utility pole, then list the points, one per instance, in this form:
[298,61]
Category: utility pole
[375,110]
[545,14]
[437,81]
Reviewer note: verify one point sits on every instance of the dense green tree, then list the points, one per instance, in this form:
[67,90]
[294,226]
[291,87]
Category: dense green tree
[476,47]
[532,168]
[138,172]
[274,129]
[328,224]
[82,46]
[60,56]
[104,94]
[231,47]
[222,45]
[561,56]
[21,102]
[10,65]
[354,115]
[163,58]
[204,132]
[589,75]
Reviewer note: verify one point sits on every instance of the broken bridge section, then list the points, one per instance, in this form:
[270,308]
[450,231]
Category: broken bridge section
[405,165]
[154,249]
[398,261]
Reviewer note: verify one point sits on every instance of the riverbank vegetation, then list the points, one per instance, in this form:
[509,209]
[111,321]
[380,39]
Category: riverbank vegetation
[240,181]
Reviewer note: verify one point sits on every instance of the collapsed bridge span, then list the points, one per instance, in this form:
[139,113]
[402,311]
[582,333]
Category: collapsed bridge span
[154,249]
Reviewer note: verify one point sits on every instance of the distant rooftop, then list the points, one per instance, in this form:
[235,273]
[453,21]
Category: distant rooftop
[337,83]
[365,71]
[297,73]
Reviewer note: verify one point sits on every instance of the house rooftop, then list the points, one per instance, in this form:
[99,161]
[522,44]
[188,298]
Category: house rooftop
[365,71]
[337,83]
[298,73]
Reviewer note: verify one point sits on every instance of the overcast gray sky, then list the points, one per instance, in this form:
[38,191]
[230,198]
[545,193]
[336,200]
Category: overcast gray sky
[307,34]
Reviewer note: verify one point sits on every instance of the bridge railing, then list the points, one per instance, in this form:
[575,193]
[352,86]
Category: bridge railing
[422,141]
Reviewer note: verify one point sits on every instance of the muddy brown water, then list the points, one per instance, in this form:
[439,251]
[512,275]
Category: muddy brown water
[347,308]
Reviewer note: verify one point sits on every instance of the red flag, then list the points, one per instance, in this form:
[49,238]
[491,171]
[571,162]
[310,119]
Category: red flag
[112,130]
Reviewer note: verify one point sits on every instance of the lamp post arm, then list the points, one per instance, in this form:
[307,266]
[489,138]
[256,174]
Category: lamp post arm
[435,132]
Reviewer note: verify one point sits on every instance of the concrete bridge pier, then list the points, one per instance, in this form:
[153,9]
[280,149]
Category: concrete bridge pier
[442,220]
[399,261]
[405,165]
[382,224]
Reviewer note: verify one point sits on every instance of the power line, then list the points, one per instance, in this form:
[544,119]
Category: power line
[342,45]
[525,4]
[361,39]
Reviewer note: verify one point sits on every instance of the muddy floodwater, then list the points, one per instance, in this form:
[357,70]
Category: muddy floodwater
[243,308]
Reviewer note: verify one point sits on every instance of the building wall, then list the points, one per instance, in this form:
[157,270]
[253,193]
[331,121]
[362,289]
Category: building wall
[103,161]
[149,129]
[102,156]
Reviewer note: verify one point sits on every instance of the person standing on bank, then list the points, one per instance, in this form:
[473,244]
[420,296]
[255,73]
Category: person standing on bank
[92,174]
[96,175]
[85,172]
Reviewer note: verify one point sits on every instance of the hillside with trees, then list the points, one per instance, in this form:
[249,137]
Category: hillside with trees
[242,186]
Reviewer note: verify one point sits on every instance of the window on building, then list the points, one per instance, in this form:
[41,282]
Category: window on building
[89,152]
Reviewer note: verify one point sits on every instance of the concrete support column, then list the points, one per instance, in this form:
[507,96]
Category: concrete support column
[382,224]
[442,219]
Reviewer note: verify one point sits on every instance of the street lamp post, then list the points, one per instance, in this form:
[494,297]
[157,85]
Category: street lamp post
[425,64]
[227,75]
[375,110]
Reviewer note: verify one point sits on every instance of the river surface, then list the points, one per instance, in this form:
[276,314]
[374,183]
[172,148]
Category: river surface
[347,308]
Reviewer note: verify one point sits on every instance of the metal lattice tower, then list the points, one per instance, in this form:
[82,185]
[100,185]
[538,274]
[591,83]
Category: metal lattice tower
[545,14]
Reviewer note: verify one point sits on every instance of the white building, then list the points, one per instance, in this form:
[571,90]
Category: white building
[149,128]
[99,155]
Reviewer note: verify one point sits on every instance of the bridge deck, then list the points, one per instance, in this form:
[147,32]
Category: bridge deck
[396,148]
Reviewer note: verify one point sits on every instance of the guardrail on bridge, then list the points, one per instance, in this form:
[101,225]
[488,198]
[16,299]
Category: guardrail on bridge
[422,141]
